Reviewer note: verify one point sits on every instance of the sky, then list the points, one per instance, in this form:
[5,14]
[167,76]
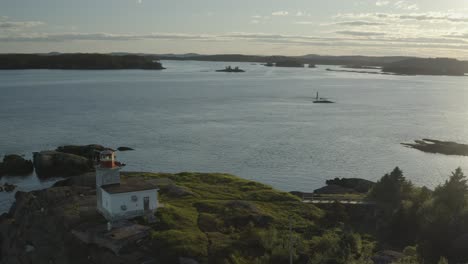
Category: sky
[426,28]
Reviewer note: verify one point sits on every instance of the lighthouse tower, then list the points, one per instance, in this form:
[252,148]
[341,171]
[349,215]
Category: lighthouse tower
[107,173]
[119,199]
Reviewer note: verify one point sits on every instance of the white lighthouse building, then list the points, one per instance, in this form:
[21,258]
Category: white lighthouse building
[119,199]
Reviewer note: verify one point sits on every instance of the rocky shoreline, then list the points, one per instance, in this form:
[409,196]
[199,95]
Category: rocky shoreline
[439,147]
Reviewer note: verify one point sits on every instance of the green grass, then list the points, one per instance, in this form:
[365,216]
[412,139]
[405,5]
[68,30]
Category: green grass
[226,220]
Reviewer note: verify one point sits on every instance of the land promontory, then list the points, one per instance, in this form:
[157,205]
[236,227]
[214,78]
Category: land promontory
[430,66]
[78,61]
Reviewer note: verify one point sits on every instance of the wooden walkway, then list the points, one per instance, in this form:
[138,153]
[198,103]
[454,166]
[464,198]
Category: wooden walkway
[317,199]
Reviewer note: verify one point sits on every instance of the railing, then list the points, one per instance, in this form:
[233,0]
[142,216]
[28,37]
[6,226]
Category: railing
[343,199]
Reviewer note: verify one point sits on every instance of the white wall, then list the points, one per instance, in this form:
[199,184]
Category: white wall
[116,200]
[106,201]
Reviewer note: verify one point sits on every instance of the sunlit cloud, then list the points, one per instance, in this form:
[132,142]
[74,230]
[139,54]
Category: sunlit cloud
[429,17]
[406,5]
[359,33]
[6,24]
[280,13]
[305,22]
[382,3]
[357,23]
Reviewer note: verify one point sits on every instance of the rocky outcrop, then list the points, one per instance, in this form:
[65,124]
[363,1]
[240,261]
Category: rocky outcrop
[387,257]
[87,151]
[437,146]
[229,69]
[334,189]
[39,229]
[354,184]
[60,164]
[7,187]
[15,165]
[87,180]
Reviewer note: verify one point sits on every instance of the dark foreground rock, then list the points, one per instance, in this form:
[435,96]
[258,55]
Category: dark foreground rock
[7,187]
[437,146]
[15,165]
[60,164]
[38,229]
[387,257]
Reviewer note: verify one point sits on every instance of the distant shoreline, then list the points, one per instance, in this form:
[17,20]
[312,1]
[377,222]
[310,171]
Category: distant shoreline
[77,62]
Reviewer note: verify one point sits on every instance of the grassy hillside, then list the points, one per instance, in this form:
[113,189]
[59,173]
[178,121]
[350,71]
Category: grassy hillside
[219,218]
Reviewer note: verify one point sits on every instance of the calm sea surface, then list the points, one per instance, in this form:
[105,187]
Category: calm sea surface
[260,125]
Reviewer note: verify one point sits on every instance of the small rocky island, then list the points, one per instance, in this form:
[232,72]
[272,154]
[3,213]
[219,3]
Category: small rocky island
[78,61]
[437,146]
[230,69]
[289,63]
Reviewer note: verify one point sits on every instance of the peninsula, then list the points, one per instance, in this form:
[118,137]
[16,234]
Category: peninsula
[78,61]
[438,146]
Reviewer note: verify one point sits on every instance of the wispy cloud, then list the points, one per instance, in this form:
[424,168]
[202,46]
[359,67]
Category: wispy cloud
[382,3]
[280,13]
[406,5]
[299,14]
[35,37]
[305,23]
[358,23]
[457,35]
[360,33]
[429,17]
[18,25]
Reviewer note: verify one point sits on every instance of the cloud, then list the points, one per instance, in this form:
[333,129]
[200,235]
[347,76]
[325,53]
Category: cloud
[280,13]
[343,39]
[305,22]
[254,21]
[406,6]
[382,3]
[15,25]
[256,17]
[429,17]
[457,36]
[360,33]
[98,37]
[300,13]
[359,23]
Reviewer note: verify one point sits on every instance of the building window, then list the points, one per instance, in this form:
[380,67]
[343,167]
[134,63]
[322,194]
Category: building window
[123,207]
[134,198]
